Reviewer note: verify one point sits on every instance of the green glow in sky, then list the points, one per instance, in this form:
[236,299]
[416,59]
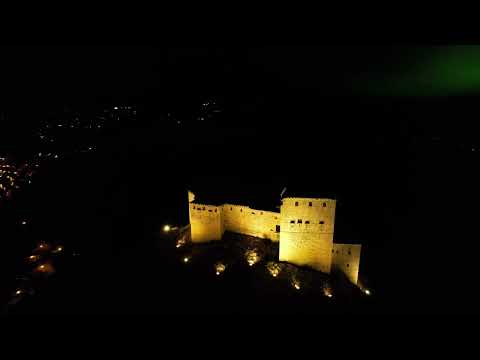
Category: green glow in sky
[428,71]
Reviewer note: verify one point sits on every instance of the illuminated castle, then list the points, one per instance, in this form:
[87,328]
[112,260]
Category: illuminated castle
[303,227]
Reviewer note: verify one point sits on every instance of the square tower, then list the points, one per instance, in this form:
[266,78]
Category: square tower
[306,235]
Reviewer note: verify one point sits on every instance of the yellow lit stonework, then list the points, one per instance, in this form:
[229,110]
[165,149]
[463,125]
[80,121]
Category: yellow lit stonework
[304,227]
[346,259]
[306,236]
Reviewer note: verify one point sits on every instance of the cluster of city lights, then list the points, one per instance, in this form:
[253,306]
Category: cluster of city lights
[11,176]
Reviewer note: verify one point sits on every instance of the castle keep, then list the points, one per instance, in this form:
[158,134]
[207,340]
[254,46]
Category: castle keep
[304,228]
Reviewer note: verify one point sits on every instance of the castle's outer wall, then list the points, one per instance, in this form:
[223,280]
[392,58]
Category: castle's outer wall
[306,236]
[346,258]
[244,220]
[206,222]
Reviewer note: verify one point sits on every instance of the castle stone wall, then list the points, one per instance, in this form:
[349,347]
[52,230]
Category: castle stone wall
[346,259]
[248,221]
[206,222]
[304,227]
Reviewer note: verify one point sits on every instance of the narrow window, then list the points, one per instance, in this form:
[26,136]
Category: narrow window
[307,222]
[209,210]
[324,204]
[215,210]
[310,203]
[231,209]
[277,228]
[241,210]
[348,265]
[322,222]
[292,221]
[333,251]
[296,203]
[203,208]
[194,208]
[299,221]
[261,212]
[349,252]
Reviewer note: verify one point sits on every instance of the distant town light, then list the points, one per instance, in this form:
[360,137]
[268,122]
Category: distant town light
[367,292]
[42,267]
[24,222]
[115,108]
[186,259]
[166,228]
[18,292]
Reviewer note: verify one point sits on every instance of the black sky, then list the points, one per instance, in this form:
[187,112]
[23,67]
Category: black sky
[48,73]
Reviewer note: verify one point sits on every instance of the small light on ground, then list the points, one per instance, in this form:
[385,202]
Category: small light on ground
[220,268]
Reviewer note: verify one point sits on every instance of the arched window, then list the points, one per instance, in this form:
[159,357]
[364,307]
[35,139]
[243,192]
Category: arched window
[324,204]
[296,203]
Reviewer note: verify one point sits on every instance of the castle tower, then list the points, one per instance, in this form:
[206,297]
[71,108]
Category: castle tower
[206,221]
[306,232]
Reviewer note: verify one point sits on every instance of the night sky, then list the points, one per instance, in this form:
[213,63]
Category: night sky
[42,77]
[45,73]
